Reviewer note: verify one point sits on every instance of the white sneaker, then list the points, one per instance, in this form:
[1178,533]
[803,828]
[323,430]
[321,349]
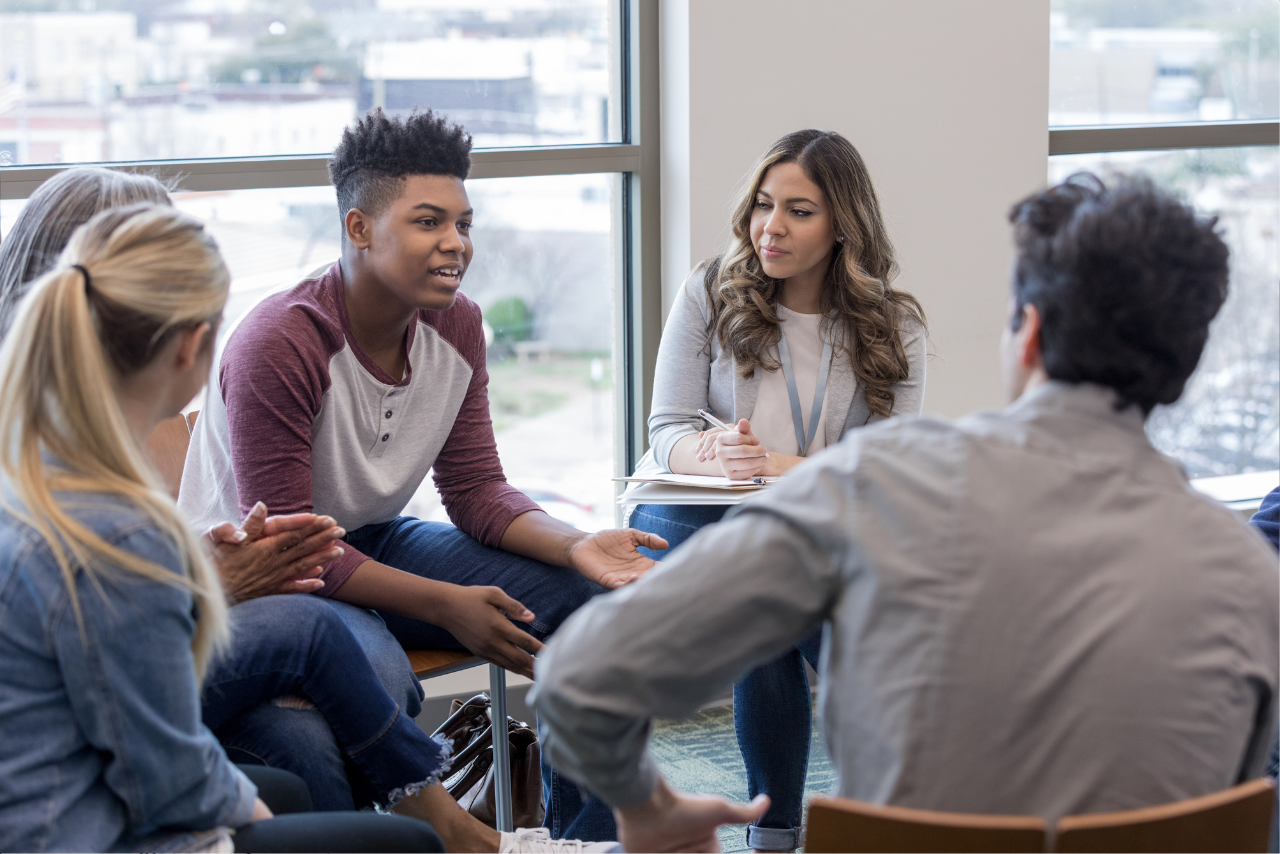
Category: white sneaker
[537,840]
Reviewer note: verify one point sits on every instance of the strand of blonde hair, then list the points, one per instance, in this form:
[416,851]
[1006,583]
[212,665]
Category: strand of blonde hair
[58,400]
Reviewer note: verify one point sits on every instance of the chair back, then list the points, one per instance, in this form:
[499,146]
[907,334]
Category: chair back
[1237,819]
[167,446]
[840,824]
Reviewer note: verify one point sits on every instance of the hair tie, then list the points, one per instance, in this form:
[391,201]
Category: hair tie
[88,283]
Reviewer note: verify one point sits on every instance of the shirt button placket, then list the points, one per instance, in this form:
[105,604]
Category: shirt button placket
[388,414]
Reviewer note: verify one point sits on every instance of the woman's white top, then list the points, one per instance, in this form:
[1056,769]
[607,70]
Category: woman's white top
[771,420]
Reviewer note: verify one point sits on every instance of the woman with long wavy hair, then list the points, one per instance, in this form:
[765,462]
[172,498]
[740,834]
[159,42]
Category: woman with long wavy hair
[793,337]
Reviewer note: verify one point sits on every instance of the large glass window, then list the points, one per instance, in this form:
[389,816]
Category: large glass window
[543,276]
[120,80]
[1228,420]
[1148,61]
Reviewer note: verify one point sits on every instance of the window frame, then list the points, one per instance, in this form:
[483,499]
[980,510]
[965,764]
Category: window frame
[634,160]
[1102,139]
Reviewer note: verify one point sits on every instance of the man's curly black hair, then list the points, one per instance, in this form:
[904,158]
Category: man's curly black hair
[1126,279]
[378,152]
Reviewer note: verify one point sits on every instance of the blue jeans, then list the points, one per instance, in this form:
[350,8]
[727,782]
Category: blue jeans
[773,717]
[300,740]
[300,645]
[772,705]
[441,552]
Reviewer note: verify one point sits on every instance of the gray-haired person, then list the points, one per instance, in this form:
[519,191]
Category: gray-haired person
[1026,611]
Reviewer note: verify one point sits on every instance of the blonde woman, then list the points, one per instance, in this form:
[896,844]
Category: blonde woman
[112,612]
[794,336]
[280,554]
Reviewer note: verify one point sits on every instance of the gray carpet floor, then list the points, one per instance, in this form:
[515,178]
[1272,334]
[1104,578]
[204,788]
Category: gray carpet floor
[701,755]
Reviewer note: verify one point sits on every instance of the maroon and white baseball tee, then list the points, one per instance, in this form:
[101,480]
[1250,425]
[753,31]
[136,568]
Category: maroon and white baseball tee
[298,416]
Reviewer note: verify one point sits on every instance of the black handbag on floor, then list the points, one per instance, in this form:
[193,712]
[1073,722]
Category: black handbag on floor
[471,776]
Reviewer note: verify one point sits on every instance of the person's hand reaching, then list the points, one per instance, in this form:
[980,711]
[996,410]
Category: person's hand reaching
[611,558]
[675,821]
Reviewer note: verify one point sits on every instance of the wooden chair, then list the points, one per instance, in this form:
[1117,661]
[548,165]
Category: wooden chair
[841,824]
[1237,819]
[167,446]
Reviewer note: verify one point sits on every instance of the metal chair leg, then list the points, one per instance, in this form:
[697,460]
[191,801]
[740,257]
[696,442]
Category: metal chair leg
[501,747]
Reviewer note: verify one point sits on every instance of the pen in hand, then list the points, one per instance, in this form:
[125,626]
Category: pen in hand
[716,422]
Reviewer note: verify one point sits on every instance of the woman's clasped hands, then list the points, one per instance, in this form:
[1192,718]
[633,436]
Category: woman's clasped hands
[272,555]
[738,451]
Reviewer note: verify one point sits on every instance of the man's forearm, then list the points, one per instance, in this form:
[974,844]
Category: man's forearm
[542,537]
[384,588]
[735,596]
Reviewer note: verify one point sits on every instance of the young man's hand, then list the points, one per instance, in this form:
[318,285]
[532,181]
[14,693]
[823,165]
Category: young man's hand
[610,559]
[480,618]
[272,555]
[674,821]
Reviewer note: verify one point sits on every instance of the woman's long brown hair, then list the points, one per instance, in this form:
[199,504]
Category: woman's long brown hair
[863,314]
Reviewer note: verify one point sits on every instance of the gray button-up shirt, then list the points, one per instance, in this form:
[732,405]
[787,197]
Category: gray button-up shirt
[1027,611]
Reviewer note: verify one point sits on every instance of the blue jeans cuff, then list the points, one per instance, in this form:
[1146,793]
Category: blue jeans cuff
[773,838]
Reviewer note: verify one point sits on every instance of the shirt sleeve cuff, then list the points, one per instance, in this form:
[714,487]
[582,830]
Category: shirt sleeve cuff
[339,570]
[486,512]
[664,442]
[637,789]
[242,812]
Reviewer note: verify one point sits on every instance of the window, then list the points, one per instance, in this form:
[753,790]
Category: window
[136,80]
[1228,419]
[1142,61]
[1187,92]
[564,176]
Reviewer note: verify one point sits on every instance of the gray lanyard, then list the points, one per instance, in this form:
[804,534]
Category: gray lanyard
[820,391]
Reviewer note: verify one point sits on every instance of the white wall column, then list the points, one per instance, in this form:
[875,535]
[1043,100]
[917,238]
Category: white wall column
[947,100]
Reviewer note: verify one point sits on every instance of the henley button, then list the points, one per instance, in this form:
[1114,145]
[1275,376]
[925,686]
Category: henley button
[388,413]
[386,436]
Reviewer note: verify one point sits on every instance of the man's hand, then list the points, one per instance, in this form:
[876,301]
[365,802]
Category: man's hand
[267,556]
[739,452]
[674,821]
[610,559]
[480,618]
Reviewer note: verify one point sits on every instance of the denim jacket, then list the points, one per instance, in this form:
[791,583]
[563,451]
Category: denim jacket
[101,743]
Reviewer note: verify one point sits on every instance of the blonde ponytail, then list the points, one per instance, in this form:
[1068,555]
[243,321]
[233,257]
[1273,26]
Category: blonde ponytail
[128,279]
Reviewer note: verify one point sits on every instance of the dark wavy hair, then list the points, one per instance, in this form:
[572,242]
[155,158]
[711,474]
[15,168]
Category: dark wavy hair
[1126,279]
[379,152]
[857,295]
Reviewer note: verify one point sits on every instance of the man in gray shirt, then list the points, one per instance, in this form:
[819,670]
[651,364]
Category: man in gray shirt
[1027,611]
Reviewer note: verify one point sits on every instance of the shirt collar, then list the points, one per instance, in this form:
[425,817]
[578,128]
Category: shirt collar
[1082,400]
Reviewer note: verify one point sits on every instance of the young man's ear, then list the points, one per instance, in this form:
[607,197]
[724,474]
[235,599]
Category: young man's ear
[1027,338]
[191,344]
[356,224]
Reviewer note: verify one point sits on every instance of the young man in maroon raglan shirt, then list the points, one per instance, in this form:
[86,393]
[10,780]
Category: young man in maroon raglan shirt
[339,395]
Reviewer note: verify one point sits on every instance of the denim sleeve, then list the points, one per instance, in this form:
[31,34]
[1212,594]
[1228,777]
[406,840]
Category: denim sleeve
[1267,519]
[131,682]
